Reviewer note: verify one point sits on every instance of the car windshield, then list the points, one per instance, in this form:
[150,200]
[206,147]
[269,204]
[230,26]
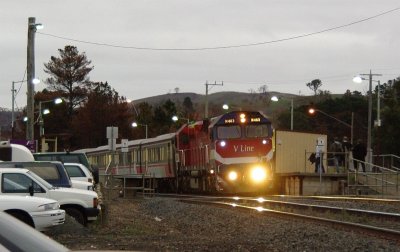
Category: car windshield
[41,181]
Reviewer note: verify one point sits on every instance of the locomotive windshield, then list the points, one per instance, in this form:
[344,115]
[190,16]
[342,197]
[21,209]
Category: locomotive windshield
[229,132]
[249,131]
[259,130]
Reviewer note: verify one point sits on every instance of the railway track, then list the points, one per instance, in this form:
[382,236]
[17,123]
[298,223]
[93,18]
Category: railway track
[322,210]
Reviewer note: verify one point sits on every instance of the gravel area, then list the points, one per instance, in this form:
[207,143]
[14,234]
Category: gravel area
[159,224]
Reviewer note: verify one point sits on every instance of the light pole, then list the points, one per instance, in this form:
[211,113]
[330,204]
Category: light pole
[135,124]
[275,99]
[359,79]
[313,110]
[41,121]
[13,95]
[30,69]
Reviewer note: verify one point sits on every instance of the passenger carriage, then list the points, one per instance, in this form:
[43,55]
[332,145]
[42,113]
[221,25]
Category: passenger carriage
[228,153]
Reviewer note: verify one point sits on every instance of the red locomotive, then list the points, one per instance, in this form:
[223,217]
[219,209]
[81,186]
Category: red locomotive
[228,153]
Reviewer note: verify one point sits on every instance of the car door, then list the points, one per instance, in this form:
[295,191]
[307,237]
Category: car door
[20,184]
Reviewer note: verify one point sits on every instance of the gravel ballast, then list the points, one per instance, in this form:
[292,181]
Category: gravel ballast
[161,224]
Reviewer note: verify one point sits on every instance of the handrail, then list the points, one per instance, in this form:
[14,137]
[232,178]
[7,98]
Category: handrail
[387,155]
[393,161]
[383,179]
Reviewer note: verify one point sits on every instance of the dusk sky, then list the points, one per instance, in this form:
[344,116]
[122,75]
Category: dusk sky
[145,48]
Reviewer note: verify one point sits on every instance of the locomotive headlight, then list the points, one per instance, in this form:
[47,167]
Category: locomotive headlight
[258,174]
[222,143]
[232,175]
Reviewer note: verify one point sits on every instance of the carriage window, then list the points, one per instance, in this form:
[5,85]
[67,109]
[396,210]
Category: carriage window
[259,130]
[228,132]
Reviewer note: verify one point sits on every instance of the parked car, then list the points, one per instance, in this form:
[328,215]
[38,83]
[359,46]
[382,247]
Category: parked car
[17,236]
[78,171]
[39,213]
[68,157]
[53,172]
[80,204]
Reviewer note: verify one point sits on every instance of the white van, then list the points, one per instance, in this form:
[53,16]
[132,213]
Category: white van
[14,152]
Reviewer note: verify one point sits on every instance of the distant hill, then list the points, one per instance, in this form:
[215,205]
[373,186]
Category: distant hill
[236,100]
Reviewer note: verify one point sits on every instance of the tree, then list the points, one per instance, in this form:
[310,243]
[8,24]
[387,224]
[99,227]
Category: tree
[69,76]
[188,109]
[55,124]
[314,85]
[103,108]
[163,116]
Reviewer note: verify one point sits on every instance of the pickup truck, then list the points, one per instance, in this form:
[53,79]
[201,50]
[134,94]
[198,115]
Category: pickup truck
[82,205]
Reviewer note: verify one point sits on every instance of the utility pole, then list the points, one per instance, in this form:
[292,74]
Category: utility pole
[206,101]
[13,91]
[30,75]
[369,149]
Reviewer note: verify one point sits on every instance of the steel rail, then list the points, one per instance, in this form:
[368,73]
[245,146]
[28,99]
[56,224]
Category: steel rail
[385,233]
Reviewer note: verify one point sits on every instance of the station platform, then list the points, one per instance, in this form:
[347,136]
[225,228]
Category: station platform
[310,184]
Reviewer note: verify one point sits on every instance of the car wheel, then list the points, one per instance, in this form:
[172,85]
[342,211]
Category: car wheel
[23,217]
[76,214]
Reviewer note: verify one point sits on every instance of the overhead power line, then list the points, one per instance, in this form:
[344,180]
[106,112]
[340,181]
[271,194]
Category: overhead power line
[227,46]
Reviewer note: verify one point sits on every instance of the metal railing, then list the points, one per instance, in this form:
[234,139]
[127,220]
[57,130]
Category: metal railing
[389,161]
[376,180]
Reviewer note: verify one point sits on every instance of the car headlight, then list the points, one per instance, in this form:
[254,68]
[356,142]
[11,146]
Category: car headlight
[258,174]
[90,188]
[50,206]
[232,175]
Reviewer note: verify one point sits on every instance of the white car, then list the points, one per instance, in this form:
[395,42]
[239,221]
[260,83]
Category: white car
[78,171]
[17,236]
[40,213]
[82,205]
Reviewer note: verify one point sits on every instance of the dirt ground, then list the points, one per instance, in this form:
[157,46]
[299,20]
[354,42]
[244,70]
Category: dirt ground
[114,229]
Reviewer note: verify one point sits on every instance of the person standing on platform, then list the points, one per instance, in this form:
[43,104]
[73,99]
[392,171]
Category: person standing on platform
[337,152]
[359,153]
[346,145]
[319,158]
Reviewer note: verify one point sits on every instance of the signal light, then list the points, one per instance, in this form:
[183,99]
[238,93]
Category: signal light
[311,111]
[242,118]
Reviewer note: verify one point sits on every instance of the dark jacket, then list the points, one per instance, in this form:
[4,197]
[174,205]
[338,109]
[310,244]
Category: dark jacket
[359,151]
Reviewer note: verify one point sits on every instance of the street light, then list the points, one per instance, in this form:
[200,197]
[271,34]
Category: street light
[227,107]
[359,79]
[275,99]
[176,118]
[377,122]
[30,69]
[40,118]
[135,124]
[313,110]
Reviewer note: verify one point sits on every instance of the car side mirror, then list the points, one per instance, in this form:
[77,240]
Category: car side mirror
[31,191]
